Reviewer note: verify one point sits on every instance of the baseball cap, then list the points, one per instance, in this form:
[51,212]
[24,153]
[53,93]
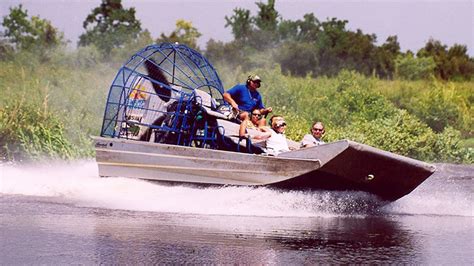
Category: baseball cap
[254,77]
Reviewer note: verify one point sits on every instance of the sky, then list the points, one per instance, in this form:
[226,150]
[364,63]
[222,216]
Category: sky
[414,22]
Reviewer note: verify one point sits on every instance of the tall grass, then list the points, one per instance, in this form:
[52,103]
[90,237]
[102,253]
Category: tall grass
[49,109]
[63,98]
[31,132]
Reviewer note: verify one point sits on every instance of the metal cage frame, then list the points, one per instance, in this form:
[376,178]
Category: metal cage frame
[155,92]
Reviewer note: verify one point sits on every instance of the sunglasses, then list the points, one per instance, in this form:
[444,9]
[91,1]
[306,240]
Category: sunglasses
[257,115]
[318,129]
[281,125]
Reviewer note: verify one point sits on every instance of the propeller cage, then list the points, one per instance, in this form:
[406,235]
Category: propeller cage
[159,94]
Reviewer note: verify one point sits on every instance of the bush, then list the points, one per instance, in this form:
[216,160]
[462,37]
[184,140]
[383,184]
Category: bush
[439,104]
[85,57]
[401,133]
[412,68]
[28,132]
[448,147]
[438,109]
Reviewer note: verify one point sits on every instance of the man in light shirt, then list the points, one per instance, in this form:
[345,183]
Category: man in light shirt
[315,138]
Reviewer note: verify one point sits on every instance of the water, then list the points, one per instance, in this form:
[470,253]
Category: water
[64,214]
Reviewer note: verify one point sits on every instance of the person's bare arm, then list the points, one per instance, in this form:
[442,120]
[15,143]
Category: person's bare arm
[228,98]
[266,133]
[242,129]
[266,111]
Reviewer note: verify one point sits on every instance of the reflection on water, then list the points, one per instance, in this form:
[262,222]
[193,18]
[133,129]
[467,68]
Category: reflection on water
[67,215]
[68,233]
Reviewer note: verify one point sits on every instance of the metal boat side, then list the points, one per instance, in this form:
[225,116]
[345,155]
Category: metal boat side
[348,165]
[153,161]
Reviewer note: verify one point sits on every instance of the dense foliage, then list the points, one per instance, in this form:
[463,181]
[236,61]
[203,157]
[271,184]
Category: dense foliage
[110,26]
[184,33]
[354,107]
[314,47]
[29,132]
[25,33]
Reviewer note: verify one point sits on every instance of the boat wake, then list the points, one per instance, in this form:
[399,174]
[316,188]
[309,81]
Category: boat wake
[78,183]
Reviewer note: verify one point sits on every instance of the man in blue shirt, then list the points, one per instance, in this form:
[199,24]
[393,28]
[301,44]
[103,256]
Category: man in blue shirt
[245,97]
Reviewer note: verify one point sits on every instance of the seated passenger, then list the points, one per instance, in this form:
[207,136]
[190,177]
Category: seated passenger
[314,139]
[245,97]
[254,122]
[277,142]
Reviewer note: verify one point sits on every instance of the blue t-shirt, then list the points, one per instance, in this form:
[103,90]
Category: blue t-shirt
[245,98]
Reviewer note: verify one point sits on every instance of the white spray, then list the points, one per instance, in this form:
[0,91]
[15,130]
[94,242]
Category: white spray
[78,183]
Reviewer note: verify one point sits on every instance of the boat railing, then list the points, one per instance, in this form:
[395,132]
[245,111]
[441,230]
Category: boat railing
[248,144]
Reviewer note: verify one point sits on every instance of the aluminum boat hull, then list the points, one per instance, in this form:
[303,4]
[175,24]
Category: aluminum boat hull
[342,165]
[163,162]
[347,164]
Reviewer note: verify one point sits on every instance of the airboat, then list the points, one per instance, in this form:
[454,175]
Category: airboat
[165,120]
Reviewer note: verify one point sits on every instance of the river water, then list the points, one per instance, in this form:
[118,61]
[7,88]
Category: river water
[63,213]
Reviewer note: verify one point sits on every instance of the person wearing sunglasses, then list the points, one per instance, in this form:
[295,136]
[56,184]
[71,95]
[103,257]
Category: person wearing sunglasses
[315,138]
[277,142]
[253,122]
[245,97]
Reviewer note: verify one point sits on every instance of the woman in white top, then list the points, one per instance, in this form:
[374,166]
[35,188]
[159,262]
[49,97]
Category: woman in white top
[277,142]
[315,138]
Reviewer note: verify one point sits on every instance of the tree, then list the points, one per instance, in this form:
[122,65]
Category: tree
[6,48]
[298,58]
[110,26]
[438,52]
[34,33]
[184,33]
[340,48]
[232,53]
[385,57]
[306,30]
[241,24]
[258,32]
[266,20]
[122,53]
[450,63]
[460,64]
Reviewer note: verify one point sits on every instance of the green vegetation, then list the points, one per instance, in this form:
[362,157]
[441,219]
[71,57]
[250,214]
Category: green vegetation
[110,26]
[30,132]
[415,105]
[184,33]
[356,107]
[312,47]
[50,109]
[28,34]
